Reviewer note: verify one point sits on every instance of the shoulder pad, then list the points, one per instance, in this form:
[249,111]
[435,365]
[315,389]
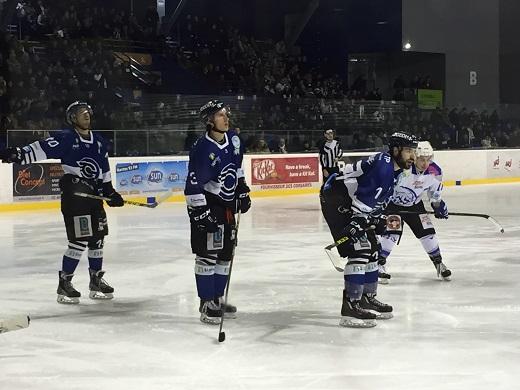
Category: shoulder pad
[434,169]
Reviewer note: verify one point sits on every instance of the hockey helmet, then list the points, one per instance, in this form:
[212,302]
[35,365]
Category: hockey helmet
[424,149]
[73,109]
[401,139]
[209,109]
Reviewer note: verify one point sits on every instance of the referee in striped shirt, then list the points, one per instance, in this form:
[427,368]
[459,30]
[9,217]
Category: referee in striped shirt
[330,153]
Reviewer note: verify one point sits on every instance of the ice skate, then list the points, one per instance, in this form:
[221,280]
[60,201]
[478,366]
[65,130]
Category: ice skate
[230,311]
[380,309]
[442,271]
[354,316]
[99,288]
[210,312]
[67,294]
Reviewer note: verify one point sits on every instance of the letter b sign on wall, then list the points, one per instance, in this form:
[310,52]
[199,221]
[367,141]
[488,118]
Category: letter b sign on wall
[473,79]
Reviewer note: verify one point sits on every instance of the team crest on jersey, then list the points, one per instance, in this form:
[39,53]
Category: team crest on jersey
[418,184]
[404,196]
[236,144]
[214,159]
[89,168]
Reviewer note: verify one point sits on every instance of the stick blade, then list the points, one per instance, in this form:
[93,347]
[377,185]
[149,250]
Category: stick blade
[221,337]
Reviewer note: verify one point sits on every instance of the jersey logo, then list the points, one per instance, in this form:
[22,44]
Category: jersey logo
[89,168]
[236,144]
[404,196]
[228,180]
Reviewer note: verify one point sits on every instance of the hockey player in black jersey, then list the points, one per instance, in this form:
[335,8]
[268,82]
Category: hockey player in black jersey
[84,159]
[215,191]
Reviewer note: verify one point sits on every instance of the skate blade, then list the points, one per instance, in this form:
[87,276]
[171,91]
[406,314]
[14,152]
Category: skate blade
[210,320]
[67,300]
[99,295]
[230,316]
[382,316]
[446,279]
[383,281]
[350,322]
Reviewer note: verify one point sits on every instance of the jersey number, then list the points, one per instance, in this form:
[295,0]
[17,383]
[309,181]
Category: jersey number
[378,192]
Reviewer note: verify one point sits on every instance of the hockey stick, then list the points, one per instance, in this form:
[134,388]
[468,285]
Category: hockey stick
[14,323]
[221,334]
[334,260]
[131,202]
[488,217]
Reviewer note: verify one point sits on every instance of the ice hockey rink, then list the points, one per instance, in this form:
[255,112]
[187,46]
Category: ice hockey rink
[463,334]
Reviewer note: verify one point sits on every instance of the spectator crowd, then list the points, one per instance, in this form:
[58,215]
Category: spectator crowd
[62,57]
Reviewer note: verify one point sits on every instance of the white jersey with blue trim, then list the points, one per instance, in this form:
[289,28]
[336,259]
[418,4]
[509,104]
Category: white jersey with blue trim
[83,157]
[214,168]
[370,183]
[414,184]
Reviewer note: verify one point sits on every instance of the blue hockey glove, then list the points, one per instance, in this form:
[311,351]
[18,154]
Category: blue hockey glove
[440,210]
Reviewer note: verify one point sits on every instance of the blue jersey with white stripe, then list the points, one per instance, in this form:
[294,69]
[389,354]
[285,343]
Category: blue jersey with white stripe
[214,168]
[83,157]
[370,183]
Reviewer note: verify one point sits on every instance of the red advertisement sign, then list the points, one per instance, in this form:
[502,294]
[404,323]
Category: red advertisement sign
[282,172]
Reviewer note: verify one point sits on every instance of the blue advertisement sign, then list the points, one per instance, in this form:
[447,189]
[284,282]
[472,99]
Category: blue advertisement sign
[151,177]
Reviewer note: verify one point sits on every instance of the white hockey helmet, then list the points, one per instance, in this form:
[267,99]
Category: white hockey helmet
[424,149]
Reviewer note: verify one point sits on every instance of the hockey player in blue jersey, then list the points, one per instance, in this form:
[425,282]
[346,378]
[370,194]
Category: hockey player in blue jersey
[215,191]
[84,160]
[353,205]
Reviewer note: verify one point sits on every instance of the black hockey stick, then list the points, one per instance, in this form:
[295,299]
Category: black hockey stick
[221,334]
[488,217]
[131,202]
[14,323]
[335,261]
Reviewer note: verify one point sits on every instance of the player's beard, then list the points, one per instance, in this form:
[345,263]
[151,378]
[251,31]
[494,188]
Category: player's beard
[402,163]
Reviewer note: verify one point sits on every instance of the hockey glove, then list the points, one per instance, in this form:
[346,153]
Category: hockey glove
[356,229]
[202,218]
[116,200]
[379,224]
[242,192]
[440,210]
[11,155]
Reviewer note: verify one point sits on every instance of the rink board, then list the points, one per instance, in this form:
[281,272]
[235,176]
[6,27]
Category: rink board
[33,188]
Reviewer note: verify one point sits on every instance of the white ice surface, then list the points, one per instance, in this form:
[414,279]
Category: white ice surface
[463,334]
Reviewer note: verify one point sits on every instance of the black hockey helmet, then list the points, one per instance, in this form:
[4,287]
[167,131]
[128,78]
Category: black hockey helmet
[209,109]
[72,110]
[401,139]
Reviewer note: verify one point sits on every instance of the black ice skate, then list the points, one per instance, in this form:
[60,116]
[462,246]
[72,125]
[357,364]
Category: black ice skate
[210,312]
[99,288]
[380,309]
[67,294]
[383,276]
[354,316]
[442,271]
[230,311]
